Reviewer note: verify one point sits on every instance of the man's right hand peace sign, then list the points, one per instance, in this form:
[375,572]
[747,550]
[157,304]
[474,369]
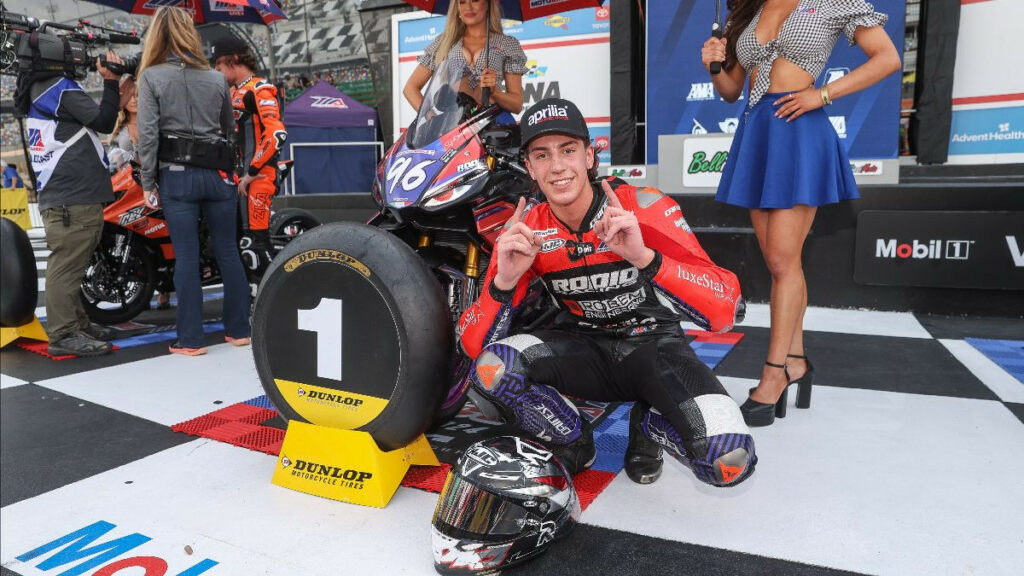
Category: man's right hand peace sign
[516,249]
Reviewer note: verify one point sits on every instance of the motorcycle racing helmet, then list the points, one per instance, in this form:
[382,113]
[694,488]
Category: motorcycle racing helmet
[504,502]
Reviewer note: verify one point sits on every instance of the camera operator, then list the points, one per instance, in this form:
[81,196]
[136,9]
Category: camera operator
[73,184]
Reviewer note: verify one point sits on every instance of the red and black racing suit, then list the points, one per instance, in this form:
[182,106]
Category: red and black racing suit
[617,337]
[261,136]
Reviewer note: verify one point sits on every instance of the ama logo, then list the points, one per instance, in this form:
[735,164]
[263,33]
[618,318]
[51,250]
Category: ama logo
[35,140]
[328,102]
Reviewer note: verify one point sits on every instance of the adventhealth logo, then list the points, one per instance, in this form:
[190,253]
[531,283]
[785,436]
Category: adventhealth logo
[98,558]
[923,250]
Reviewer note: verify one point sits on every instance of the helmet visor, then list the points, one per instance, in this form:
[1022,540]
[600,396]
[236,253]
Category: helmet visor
[465,510]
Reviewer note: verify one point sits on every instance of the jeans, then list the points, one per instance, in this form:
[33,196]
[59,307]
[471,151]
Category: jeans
[185,193]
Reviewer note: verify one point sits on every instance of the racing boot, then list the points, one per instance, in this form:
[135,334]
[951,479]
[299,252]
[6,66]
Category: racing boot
[579,454]
[643,455]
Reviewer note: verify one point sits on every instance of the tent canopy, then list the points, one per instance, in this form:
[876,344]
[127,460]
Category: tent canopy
[332,138]
[324,106]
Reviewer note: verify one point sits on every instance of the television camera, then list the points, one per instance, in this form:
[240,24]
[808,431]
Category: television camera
[30,45]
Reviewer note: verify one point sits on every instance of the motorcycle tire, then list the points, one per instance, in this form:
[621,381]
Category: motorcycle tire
[18,276]
[145,264]
[350,330]
[288,223]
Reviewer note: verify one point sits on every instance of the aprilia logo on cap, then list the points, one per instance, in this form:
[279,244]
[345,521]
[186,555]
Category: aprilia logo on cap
[550,112]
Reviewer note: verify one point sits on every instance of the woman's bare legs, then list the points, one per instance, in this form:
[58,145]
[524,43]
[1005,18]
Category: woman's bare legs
[781,234]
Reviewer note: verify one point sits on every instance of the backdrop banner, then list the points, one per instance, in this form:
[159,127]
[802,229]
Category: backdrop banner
[567,56]
[682,100]
[988,86]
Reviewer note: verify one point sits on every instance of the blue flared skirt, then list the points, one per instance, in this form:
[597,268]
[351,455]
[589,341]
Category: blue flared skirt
[779,164]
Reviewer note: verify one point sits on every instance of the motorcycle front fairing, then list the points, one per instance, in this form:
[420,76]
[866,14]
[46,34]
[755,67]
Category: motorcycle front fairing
[441,160]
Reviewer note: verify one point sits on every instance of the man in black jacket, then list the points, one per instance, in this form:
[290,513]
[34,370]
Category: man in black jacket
[73,184]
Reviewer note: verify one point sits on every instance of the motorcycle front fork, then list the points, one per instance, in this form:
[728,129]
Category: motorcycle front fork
[462,289]
[123,251]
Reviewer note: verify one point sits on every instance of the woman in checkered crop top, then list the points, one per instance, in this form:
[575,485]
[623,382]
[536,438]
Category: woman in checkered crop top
[786,159]
[462,44]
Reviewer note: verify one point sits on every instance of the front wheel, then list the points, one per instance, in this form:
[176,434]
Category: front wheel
[115,290]
[288,223]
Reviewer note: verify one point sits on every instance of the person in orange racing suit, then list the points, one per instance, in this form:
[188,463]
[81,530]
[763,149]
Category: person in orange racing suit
[261,135]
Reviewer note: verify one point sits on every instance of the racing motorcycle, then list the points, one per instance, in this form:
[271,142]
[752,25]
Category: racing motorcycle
[135,255]
[446,188]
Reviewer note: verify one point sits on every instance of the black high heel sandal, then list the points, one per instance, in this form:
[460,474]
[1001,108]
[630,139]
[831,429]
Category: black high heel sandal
[757,414]
[803,383]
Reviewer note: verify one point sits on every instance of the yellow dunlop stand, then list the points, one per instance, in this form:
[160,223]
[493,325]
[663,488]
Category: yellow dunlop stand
[14,206]
[33,330]
[345,465]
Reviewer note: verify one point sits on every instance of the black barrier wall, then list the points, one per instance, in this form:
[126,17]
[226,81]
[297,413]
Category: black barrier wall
[829,255]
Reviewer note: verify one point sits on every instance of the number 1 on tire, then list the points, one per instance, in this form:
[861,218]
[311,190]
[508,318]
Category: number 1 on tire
[325,321]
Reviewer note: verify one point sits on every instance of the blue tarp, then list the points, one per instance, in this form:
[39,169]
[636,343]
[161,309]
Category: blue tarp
[323,115]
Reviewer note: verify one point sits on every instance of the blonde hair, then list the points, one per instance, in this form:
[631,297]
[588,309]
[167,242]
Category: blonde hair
[455,29]
[128,89]
[172,32]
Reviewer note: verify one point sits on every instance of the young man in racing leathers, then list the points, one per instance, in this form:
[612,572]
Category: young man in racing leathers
[625,269]
[261,136]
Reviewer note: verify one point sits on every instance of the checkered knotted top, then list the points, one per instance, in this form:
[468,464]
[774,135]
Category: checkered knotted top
[806,39]
[507,57]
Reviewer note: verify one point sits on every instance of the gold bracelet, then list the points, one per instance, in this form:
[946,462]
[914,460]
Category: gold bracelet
[825,100]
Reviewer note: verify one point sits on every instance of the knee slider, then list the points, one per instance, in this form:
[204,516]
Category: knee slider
[718,446]
[499,373]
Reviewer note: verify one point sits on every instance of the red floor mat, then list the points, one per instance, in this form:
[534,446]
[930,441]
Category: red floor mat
[242,425]
[38,347]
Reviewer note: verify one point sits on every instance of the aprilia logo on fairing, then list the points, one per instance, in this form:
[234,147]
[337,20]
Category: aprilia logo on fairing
[602,282]
[929,250]
[550,112]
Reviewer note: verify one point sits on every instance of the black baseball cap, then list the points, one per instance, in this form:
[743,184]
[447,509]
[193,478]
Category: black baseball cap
[552,116]
[226,46]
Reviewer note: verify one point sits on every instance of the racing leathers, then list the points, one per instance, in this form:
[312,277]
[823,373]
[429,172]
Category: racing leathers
[261,136]
[617,337]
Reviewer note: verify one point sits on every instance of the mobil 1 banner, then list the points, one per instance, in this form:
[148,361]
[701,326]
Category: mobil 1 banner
[942,249]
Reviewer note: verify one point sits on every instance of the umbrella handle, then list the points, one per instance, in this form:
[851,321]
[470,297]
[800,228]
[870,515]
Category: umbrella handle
[485,94]
[716,31]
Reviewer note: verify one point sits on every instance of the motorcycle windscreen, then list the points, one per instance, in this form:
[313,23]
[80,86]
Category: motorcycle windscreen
[441,111]
[465,510]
